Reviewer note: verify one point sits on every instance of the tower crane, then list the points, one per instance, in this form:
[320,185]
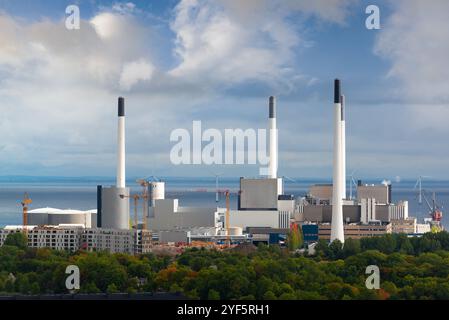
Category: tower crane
[145,196]
[136,199]
[227,194]
[25,203]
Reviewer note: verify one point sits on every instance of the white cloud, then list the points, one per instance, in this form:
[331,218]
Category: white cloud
[58,87]
[124,7]
[229,42]
[135,71]
[415,40]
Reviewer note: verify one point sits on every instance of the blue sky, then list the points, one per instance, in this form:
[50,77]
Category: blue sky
[218,61]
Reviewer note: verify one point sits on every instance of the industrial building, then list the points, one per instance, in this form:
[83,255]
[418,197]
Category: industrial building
[167,215]
[355,231]
[113,201]
[53,216]
[264,212]
[76,237]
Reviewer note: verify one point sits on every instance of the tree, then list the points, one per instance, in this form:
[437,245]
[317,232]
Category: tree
[295,239]
[17,239]
[335,250]
[351,247]
[269,295]
[112,288]
[213,295]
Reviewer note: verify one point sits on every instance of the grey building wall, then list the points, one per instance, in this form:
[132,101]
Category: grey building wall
[258,194]
[378,192]
[174,236]
[37,219]
[323,213]
[382,213]
[168,216]
[115,210]
[313,213]
[71,218]
[321,191]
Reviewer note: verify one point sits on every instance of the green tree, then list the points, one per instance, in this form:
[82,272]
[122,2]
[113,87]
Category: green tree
[335,250]
[269,295]
[112,288]
[295,238]
[17,239]
[213,295]
[351,247]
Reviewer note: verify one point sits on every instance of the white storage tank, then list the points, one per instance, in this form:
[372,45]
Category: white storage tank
[157,191]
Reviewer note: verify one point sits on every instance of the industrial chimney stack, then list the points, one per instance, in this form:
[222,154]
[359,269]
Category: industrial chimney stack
[273,167]
[343,146]
[121,176]
[113,201]
[337,230]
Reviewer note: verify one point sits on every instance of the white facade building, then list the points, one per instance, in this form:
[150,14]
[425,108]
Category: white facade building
[166,215]
[399,211]
[76,237]
[368,210]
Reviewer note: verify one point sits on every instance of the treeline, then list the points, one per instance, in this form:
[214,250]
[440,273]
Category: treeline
[410,268]
[389,243]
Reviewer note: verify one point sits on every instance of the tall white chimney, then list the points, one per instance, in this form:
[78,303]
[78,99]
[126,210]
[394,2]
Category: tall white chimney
[273,168]
[337,230]
[121,177]
[343,146]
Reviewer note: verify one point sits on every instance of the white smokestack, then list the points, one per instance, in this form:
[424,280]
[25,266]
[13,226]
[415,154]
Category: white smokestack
[273,168]
[337,230]
[121,144]
[343,146]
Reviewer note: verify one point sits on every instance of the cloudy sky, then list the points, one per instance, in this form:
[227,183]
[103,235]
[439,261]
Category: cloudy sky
[218,61]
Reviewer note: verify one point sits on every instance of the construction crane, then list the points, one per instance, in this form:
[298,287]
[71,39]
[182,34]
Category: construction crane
[136,198]
[25,203]
[227,194]
[145,196]
[228,238]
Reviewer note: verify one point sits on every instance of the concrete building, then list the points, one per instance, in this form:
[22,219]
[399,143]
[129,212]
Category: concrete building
[111,240]
[355,231]
[323,213]
[382,193]
[54,217]
[166,215]
[321,192]
[403,225]
[113,202]
[398,211]
[76,237]
[260,218]
[259,194]
[368,210]
[175,236]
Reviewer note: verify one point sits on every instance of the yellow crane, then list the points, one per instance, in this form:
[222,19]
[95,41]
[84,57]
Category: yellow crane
[25,203]
[145,184]
[228,238]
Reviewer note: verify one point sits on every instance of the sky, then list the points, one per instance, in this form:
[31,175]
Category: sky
[218,61]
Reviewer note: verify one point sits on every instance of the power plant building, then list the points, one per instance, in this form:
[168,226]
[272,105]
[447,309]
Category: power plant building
[113,202]
[54,217]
